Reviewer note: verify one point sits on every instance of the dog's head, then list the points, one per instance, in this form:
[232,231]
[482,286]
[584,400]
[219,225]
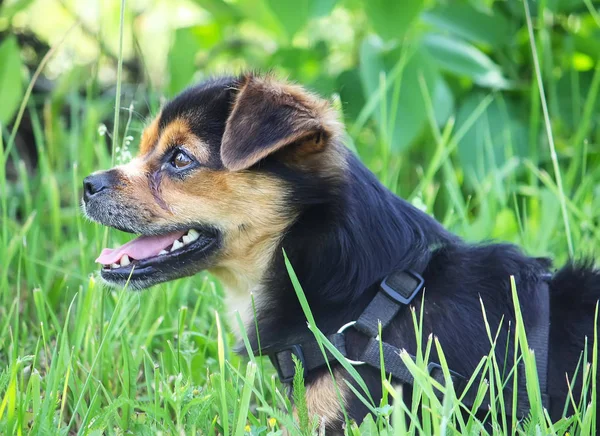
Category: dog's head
[214,184]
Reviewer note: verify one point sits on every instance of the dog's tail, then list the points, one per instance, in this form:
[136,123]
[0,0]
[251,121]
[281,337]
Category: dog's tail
[575,288]
[574,294]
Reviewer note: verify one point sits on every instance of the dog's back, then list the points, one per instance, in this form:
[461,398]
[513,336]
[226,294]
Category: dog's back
[574,295]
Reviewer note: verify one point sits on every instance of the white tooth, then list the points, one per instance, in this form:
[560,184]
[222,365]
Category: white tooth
[162,252]
[176,245]
[125,260]
[115,265]
[187,239]
[193,235]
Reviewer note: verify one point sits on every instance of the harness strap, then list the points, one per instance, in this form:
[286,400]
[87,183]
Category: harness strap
[398,290]
[396,367]
[538,337]
[391,356]
[309,354]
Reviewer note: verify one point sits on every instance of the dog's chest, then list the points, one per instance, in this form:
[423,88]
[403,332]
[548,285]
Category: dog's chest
[241,303]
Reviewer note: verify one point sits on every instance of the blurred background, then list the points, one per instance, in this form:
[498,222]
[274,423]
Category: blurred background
[406,77]
[441,99]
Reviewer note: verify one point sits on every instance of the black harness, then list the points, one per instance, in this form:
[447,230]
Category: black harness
[396,291]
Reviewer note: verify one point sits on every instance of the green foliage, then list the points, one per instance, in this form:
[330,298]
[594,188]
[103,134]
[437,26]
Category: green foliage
[299,395]
[440,100]
[463,59]
[181,60]
[293,16]
[392,19]
[498,136]
[465,21]
[11,84]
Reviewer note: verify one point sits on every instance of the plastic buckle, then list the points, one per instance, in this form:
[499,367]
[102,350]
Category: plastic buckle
[395,295]
[432,366]
[293,349]
[456,378]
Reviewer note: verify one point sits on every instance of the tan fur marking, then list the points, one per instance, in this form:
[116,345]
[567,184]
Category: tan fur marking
[322,399]
[150,136]
[178,132]
[248,252]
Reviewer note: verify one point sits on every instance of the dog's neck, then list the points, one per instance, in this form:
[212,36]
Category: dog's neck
[339,249]
[242,278]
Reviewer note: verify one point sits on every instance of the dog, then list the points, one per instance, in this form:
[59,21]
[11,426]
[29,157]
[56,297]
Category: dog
[236,171]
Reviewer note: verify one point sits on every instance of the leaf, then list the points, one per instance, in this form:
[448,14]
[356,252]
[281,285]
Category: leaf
[222,11]
[189,41]
[408,104]
[392,18]
[8,11]
[443,101]
[572,90]
[322,7]
[500,133]
[462,58]
[349,86]
[299,395]
[11,85]
[516,6]
[293,15]
[181,60]
[368,427]
[505,225]
[303,64]
[261,15]
[464,21]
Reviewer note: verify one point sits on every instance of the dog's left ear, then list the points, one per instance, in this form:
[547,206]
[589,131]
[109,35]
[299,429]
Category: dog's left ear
[268,116]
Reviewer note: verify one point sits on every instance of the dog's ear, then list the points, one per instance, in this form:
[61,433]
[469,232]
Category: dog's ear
[267,116]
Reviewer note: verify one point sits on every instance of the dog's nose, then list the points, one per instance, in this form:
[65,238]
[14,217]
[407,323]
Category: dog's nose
[96,183]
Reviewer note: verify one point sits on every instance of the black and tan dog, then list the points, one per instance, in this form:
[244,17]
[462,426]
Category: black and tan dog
[236,169]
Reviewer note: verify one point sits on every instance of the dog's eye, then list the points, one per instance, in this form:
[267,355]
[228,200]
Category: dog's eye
[181,160]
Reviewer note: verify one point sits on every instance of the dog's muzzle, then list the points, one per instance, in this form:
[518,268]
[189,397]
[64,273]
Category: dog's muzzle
[96,183]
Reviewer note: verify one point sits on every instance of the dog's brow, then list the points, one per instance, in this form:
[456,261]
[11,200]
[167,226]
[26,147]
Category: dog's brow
[179,132]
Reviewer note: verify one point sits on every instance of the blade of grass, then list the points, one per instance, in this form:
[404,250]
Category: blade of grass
[222,381]
[245,401]
[547,124]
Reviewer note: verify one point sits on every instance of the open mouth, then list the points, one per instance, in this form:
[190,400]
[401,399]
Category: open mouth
[158,256]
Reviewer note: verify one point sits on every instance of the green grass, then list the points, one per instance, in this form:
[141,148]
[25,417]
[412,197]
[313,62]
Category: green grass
[76,358]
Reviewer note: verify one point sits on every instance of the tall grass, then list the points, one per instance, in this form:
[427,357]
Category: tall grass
[76,358]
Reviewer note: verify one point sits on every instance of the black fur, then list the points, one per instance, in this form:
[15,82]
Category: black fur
[353,231]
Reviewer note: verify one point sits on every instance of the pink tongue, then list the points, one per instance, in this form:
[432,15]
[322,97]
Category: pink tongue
[140,248]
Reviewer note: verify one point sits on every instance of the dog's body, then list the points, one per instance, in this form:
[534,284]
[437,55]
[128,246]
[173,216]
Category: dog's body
[256,166]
